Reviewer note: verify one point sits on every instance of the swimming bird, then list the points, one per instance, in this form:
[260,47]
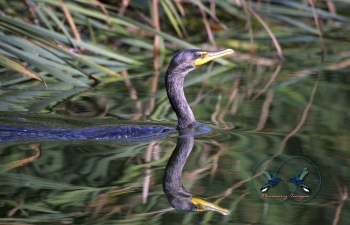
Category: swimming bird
[181,64]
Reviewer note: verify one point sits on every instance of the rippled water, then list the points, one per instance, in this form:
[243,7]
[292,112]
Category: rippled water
[301,121]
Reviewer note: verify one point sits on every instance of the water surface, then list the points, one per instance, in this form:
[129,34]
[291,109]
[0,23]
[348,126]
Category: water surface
[300,120]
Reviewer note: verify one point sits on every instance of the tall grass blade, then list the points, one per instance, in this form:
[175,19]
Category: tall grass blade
[171,17]
[12,65]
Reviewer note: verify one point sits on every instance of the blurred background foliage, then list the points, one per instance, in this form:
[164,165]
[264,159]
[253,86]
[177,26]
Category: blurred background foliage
[80,42]
[103,62]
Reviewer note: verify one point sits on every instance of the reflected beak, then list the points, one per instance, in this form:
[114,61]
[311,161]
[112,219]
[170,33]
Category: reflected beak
[208,56]
[208,206]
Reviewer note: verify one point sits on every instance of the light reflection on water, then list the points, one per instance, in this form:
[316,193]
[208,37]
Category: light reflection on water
[105,182]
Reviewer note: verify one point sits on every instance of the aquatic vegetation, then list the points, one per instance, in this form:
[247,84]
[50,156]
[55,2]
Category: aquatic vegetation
[257,105]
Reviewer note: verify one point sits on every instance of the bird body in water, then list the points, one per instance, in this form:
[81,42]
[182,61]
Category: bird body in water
[181,64]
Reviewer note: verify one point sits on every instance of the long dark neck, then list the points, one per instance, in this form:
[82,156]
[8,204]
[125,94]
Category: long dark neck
[174,86]
[176,163]
[178,197]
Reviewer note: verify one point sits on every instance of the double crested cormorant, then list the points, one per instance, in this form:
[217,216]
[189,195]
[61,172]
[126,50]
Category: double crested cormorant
[181,64]
[177,195]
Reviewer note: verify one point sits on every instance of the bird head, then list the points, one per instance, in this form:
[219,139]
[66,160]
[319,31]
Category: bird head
[181,200]
[202,205]
[185,61]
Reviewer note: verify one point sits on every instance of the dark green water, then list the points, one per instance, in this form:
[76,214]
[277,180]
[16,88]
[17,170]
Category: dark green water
[302,117]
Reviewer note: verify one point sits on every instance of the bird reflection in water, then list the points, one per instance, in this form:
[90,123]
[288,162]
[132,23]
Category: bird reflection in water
[173,188]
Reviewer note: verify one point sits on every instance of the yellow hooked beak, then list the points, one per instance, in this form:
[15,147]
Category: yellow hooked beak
[208,206]
[208,56]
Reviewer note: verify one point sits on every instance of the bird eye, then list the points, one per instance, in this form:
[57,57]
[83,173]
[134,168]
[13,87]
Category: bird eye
[199,55]
[195,208]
